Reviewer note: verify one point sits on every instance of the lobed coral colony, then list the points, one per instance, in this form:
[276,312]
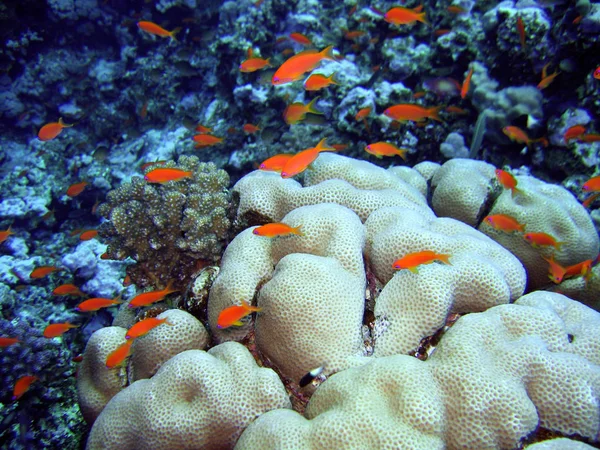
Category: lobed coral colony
[300,224]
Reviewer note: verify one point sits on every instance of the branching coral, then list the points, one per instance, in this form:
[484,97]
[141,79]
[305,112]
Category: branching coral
[168,227]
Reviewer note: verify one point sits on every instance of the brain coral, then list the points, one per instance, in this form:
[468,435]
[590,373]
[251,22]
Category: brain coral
[167,227]
[493,379]
[196,399]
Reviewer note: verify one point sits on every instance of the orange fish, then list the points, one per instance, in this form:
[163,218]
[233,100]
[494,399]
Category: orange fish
[127,281]
[542,240]
[118,356]
[144,110]
[404,16]
[296,112]
[75,189]
[408,111]
[22,385]
[521,30]
[301,160]
[295,67]
[507,181]
[363,113]
[8,341]
[584,268]
[573,132]
[233,314]
[144,326]
[547,79]
[456,110]
[339,147]
[556,272]
[254,64]
[206,140]
[351,35]
[88,234]
[380,149]
[589,138]
[592,185]
[466,84]
[51,130]
[42,271]
[67,289]
[163,175]
[250,129]
[318,81]
[300,39]
[276,229]
[588,201]
[77,359]
[4,234]
[57,329]
[275,163]
[455,9]
[144,166]
[157,30]
[503,222]
[412,260]
[596,74]
[441,32]
[97,303]
[516,134]
[147,298]
[202,129]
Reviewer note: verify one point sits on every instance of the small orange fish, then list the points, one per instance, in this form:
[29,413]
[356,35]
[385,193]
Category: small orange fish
[67,289]
[75,189]
[542,240]
[276,229]
[507,181]
[301,160]
[57,329]
[456,110]
[77,359]
[232,315]
[416,113]
[441,32]
[157,30]
[464,90]
[318,81]
[352,35]
[8,341]
[254,64]
[363,113]
[339,147]
[97,303]
[584,268]
[118,356]
[404,16]
[596,74]
[455,9]
[144,166]
[206,140]
[127,281]
[42,271]
[516,134]
[88,234]
[22,385]
[588,201]
[296,112]
[412,260]
[300,39]
[295,67]
[4,234]
[147,298]
[144,326]
[577,20]
[202,129]
[556,272]
[547,78]
[164,175]
[590,137]
[275,163]
[380,149]
[573,132]
[250,129]
[521,30]
[592,185]
[503,222]
[51,130]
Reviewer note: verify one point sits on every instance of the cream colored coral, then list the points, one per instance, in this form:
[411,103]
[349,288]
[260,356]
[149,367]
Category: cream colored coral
[412,177]
[181,332]
[412,306]
[546,208]
[96,384]
[196,399]
[461,188]
[559,444]
[427,169]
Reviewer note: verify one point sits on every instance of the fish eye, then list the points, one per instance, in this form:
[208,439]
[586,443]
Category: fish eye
[255,231]
[275,79]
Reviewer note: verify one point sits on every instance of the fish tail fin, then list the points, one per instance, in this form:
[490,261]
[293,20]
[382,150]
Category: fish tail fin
[516,191]
[434,113]
[297,231]
[445,259]
[413,269]
[559,245]
[311,107]
[247,306]
[64,125]
[521,226]
[421,18]
[322,146]
[333,79]
[327,53]
[174,32]
[169,286]
[402,153]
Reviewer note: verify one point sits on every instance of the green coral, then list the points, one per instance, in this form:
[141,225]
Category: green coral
[168,229]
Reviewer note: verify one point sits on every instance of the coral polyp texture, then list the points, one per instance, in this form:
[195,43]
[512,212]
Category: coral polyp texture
[167,227]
